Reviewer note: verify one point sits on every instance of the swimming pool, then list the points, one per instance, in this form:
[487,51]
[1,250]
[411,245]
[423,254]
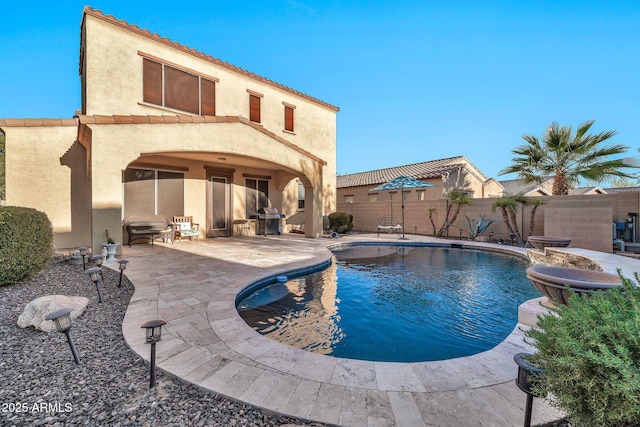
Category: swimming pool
[395,303]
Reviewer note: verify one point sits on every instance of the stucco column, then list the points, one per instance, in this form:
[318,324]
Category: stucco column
[313,211]
[106,205]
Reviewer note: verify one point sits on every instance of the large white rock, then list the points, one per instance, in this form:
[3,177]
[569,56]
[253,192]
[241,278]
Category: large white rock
[36,310]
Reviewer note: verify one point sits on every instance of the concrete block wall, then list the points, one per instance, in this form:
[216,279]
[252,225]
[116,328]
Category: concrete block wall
[585,219]
[587,228]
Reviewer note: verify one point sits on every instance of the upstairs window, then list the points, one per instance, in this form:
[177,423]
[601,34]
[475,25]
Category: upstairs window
[288,117]
[177,89]
[254,108]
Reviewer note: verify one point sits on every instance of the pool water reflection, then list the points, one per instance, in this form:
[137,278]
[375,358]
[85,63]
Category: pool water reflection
[395,304]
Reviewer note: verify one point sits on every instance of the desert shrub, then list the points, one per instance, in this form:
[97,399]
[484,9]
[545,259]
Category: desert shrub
[341,222]
[26,243]
[589,350]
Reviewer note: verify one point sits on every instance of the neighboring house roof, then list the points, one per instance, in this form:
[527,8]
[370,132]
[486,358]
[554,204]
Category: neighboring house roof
[423,170]
[518,186]
[88,10]
[585,191]
[614,190]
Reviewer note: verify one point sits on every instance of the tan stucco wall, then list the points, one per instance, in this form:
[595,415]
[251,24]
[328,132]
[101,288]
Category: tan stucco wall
[114,147]
[45,170]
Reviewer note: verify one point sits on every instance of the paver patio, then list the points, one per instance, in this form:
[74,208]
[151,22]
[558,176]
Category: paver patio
[193,286]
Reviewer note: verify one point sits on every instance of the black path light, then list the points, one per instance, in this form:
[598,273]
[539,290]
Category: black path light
[62,319]
[524,383]
[95,273]
[84,251]
[154,334]
[122,265]
[97,261]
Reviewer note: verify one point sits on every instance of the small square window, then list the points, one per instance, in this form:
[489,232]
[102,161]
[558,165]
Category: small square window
[373,197]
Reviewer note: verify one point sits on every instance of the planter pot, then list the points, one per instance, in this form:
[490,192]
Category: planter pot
[111,251]
[552,282]
[541,242]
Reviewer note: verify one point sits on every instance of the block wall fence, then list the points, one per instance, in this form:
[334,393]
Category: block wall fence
[587,220]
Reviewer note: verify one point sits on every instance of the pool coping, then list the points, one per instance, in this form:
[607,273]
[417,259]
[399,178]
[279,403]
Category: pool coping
[247,366]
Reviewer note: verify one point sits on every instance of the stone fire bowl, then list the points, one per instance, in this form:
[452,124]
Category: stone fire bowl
[552,281]
[541,242]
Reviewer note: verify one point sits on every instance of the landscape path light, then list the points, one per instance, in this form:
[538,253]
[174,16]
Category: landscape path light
[95,273]
[97,261]
[84,251]
[122,265]
[62,319]
[154,334]
[524,382]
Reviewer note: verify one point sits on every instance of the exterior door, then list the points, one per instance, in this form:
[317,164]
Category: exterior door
[218,204]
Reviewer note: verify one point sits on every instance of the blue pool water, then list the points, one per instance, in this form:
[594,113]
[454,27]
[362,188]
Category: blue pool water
[395,304]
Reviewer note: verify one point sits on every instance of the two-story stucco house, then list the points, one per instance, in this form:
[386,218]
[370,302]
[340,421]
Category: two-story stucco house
[164,129]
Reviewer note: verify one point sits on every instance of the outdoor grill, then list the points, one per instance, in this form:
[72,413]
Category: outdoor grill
[269,221]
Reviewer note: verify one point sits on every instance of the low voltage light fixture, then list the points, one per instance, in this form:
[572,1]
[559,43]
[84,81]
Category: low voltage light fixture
[84,251]
[95,273]
[525,383]
[62,319]
[123,266]
[154,334]
[97,261]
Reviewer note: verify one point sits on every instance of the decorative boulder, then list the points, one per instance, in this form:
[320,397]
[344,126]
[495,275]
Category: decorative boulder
[36,310]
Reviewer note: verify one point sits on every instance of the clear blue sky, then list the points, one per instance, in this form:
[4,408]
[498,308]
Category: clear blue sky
[414,80]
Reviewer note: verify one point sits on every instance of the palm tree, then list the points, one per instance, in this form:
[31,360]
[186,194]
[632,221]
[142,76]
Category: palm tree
[535,204]
[568,157]
[508,206]
[433,224]
[458,199]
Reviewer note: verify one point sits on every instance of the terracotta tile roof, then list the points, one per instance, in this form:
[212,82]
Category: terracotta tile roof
[37,122]
[423,170]
[580,191]
[518,186]
[614,190]
[88,10]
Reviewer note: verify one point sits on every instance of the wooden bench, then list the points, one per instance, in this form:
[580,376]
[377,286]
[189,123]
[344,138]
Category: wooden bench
[148,227]
[389,224]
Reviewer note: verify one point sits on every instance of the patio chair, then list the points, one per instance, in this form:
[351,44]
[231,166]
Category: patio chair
[183,226]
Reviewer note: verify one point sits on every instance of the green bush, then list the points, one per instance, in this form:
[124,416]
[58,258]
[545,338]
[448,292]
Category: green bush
[590,350]
[26,243]
[341,222]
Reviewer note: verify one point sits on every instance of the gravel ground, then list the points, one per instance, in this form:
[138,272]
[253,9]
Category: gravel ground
[40,384]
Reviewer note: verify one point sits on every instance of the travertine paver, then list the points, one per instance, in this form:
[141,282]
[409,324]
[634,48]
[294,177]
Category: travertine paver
[193,288]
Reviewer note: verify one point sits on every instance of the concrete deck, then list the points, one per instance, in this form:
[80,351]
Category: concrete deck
[193,285]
